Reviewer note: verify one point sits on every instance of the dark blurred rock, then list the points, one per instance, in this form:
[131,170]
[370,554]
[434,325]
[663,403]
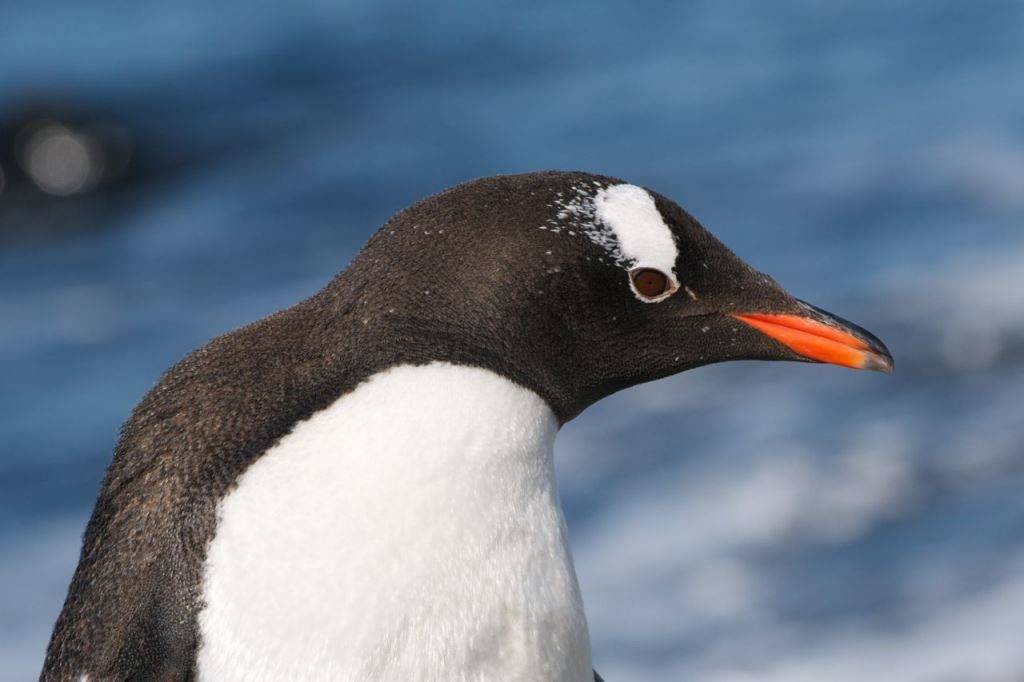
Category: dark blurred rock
[60,164]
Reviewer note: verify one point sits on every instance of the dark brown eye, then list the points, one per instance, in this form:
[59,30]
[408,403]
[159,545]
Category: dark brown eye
[650,283]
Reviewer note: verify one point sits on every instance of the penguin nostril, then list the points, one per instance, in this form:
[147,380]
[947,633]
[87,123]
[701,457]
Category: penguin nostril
[650,283]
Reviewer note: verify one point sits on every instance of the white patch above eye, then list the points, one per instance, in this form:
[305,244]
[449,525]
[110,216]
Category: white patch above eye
[643,238]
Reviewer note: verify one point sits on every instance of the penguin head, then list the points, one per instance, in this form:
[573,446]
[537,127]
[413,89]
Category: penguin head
[577,286]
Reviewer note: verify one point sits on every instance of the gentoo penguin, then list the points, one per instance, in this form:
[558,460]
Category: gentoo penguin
[361,487]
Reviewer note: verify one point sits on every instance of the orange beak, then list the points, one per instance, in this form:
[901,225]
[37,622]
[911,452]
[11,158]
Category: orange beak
[838,343]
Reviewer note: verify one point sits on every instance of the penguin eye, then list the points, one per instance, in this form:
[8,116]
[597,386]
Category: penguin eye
[650,284]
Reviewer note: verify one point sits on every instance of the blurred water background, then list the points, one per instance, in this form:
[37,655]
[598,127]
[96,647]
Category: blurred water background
[173,170]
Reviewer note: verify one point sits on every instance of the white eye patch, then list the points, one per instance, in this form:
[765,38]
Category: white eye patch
[643,238]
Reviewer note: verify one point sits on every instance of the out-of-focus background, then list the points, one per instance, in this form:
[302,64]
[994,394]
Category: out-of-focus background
[172,170]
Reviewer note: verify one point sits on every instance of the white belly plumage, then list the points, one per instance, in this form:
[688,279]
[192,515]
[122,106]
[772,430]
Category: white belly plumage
[410,531]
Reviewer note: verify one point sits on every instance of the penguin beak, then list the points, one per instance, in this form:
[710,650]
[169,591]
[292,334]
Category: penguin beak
[821,336]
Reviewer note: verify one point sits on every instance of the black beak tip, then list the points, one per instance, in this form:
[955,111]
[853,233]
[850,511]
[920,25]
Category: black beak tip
[879,360]
[877,357]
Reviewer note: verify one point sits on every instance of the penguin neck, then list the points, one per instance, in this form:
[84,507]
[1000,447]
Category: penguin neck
[411,530]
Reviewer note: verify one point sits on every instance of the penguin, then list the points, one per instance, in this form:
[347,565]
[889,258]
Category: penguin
[361,486]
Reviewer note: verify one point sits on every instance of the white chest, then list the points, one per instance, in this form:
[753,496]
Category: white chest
[410,531]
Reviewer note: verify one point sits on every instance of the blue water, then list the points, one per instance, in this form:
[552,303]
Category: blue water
[742,522]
